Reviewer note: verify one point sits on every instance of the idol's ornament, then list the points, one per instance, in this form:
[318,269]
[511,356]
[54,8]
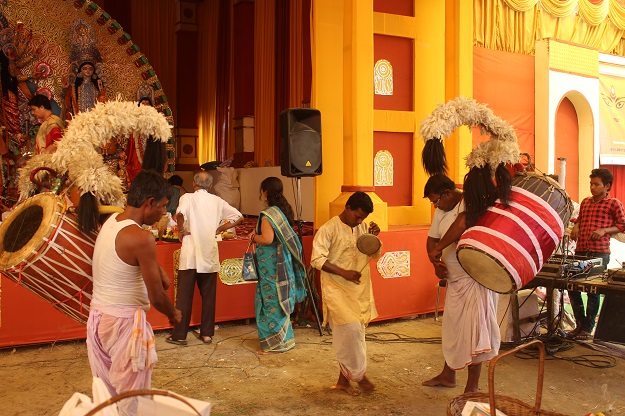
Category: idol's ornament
[515,219]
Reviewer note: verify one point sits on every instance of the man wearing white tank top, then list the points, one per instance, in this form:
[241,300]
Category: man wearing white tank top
[127,280]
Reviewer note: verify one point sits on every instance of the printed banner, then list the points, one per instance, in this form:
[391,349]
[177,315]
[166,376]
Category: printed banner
[612,120]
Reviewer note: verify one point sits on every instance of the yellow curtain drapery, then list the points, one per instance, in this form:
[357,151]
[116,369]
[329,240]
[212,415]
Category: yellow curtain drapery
[594,14]
[296,61]
[208,14]
[264,82]
[559,8]
[521,5]
[153,22]
[515,25]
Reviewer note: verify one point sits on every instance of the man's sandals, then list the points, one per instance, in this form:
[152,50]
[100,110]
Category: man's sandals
[584,336]
[180,343]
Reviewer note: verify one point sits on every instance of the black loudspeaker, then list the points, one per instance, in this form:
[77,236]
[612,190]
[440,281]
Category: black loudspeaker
[300,142]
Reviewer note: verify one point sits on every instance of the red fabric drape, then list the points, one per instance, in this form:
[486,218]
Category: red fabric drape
[618,186]
[498,76]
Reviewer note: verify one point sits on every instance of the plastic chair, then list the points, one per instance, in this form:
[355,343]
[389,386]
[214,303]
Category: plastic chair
[441,284]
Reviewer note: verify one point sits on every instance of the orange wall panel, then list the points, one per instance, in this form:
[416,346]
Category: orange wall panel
[399,52]
[400,146]
[401,7]
[567,145]
[505,82]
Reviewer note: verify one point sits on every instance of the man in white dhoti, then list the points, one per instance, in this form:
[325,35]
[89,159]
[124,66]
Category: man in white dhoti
[126,280]
[348,304]
[470,331]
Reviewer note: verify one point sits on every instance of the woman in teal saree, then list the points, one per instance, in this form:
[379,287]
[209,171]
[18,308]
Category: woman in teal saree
[281,272]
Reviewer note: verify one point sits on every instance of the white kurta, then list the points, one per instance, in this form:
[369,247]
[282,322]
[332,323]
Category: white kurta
[203,213]
[470,329]
[343,301]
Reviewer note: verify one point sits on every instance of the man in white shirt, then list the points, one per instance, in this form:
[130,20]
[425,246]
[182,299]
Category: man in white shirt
[198,216]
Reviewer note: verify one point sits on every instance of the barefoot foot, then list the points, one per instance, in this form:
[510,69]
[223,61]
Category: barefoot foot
[347,389]
[366,386]
[261,352]
[439,381]
[344,384]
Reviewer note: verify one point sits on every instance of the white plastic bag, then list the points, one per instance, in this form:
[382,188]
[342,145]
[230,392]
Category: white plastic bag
[77,405]
[165,405]
[80,404]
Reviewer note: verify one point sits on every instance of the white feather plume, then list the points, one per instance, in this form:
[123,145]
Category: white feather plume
[77,153]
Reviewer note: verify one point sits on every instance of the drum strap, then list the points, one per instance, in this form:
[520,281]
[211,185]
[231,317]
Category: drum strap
[79,293]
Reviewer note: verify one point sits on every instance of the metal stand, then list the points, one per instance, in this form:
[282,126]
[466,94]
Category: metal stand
[298,208]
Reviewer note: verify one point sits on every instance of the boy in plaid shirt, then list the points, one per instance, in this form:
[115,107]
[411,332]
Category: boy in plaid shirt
[600,215]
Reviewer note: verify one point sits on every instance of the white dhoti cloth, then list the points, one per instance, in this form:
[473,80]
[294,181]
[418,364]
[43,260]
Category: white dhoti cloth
[470,331]
[348,342]
[121,350]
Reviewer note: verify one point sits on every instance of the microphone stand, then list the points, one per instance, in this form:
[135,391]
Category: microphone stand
[299,234]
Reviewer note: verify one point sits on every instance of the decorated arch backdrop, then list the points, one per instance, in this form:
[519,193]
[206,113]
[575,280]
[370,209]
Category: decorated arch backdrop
[39,38]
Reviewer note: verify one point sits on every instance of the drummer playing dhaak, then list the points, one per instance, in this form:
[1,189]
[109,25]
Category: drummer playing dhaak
[127,280]
[470,334]
[600,215]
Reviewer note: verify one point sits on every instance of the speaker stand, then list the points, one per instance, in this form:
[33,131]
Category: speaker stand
[298,208]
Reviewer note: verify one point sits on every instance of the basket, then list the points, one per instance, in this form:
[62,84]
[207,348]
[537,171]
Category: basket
[509,405]
[145,392]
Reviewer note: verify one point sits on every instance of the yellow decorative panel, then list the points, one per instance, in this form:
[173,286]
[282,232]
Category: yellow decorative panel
[574,59]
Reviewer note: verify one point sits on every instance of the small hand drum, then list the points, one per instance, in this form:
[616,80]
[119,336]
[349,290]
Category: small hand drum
[368,244]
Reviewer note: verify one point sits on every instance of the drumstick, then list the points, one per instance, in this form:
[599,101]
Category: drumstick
[366,264]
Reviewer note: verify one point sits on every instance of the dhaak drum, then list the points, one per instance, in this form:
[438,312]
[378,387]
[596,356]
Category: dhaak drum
[42,249]
[508,246]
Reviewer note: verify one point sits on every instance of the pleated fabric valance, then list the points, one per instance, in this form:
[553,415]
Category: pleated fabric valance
[514,25]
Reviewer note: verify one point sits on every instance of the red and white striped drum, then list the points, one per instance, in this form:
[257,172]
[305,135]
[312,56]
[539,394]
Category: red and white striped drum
[43,250]
[509,245]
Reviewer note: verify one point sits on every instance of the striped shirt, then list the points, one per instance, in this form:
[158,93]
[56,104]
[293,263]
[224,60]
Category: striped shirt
[605,213]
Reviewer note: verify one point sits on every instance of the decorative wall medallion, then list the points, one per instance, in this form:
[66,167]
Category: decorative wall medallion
[394,264]
[383,77]
[231,272]
[383,168]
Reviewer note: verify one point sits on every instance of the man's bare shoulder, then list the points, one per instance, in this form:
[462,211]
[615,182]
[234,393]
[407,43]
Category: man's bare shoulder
[134,236]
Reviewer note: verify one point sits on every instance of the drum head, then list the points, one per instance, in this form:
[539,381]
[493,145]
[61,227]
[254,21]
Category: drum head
[486,270]
[28,227]
[368,244]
